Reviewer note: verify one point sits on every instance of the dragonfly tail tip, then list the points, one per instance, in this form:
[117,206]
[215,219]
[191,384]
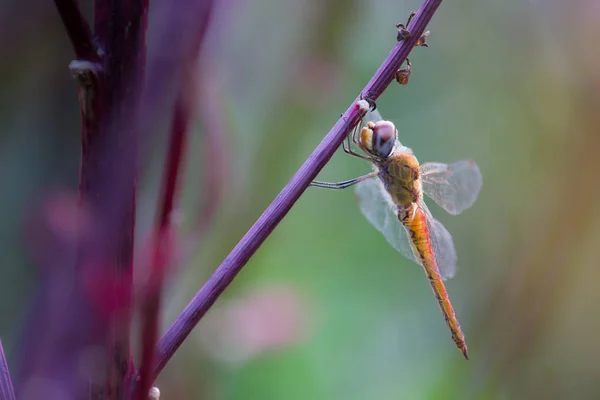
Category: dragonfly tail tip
[464,351]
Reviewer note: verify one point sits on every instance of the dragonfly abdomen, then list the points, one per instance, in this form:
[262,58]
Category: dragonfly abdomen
[415,222]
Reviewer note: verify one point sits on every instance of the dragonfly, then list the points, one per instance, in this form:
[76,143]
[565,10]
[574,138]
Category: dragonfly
[391,198]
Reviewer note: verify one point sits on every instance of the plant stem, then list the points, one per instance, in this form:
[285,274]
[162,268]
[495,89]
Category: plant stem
[6,387]
[109,170]
[185,104]
[110,85]
[78,30]
[162,245]
[277,210]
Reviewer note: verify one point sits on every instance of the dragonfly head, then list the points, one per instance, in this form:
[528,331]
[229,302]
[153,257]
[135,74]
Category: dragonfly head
[378,138]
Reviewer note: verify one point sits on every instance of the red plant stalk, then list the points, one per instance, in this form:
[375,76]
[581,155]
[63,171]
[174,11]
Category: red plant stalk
[162,244]
[185,103]
[215,166]
[111,153]
[86,308]
[280,206]
[78,30]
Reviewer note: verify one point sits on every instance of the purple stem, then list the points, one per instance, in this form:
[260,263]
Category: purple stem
[267,222]
[6,387]
[78,30]
[215,164]
[151,299]
[183,115]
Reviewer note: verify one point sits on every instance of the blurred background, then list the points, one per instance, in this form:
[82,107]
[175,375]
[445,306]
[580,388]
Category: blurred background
[326,309]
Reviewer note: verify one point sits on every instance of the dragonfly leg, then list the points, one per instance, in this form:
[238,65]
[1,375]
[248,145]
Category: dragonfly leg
[347,145]
[348,149]
[343,184]
[356,132]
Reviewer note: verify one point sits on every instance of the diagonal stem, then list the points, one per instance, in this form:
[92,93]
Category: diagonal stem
[6,387]
[277,210]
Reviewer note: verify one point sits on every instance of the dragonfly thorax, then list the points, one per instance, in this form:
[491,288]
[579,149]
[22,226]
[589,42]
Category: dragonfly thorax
[401,178]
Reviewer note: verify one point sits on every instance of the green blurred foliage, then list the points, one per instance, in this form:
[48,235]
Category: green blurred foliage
[513,85]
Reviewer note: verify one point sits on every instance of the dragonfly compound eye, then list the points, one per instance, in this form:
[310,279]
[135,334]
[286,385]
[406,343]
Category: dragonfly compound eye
[384,137]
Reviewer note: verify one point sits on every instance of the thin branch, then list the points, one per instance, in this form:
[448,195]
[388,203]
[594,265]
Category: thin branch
[97,274]
[267,222]
[78,30]
[161,248]
[185,104]
[215,168]
[6,387]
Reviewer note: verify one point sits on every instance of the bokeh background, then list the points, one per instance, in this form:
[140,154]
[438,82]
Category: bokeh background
[326,309]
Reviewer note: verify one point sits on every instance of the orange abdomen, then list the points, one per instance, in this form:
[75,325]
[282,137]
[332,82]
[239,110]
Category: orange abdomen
[415,222]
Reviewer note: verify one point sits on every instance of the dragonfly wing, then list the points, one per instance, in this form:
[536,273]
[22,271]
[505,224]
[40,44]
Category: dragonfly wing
[453,186]
[377,206]
[373,115]
[441,243]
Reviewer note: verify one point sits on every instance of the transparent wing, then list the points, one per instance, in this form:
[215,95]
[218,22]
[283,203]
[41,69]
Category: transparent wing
[373,116]
[442,244]
[453,186]
[376,205]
